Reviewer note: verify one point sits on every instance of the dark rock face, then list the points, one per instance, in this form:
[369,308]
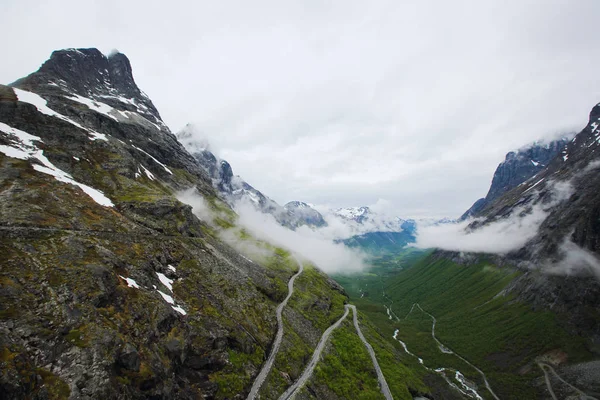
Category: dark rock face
[518,167]
[574,218]
[130,358]
[91,74]
[474,209]
[522,165]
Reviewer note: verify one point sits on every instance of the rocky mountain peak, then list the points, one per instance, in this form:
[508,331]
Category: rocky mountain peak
[91,74]
[358,214]
[305,213]
[595,113]
[121,72]
[521,165]
[297,204]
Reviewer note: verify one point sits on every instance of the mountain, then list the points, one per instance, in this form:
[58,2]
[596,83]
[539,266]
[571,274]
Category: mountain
[565,190]
[522,324]
[381,243]
[357,221]
[305,214]
[356,214]
[112,287]
[234,190]
[517,167]
[564,194]
[363,219]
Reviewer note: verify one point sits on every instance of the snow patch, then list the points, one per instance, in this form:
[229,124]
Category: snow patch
[25,149]
[148,173]
[179,310]
[130,282]
[170,300]
[534,185]
[155,160]
[166,297]
[97,106]
[165,281]
[41,104]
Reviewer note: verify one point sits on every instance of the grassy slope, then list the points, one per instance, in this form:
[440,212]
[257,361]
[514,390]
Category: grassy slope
[346,368]
[499,335]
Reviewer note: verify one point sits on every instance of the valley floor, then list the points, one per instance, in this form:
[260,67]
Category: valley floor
[457,322]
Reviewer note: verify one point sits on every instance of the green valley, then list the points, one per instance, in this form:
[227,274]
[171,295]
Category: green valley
[478,319]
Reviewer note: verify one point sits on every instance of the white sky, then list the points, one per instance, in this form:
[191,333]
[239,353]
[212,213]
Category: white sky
[343,102]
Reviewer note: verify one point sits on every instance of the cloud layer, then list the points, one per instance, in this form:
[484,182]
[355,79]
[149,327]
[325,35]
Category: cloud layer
[499,237]
[343,103]
[311,245]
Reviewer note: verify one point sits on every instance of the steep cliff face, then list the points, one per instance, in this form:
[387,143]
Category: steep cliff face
[562,258]
[110,286]
[517,167]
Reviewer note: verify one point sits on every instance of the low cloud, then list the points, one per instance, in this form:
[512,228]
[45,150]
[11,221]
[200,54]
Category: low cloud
[382,217]
[498,237]
[574,260]
[311,244]
[199,206]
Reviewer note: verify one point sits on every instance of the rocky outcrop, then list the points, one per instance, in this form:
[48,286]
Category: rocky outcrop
[518,167]
[91,74]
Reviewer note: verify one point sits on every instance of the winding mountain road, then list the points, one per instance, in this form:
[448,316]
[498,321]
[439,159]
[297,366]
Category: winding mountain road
[547,367]
[307,373]
[291,391]
[260,378]
[382,382]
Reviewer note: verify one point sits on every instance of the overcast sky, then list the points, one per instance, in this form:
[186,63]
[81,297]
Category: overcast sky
[346,102]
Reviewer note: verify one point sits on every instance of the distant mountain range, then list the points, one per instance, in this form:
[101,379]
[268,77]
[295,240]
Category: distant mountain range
[236,191]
